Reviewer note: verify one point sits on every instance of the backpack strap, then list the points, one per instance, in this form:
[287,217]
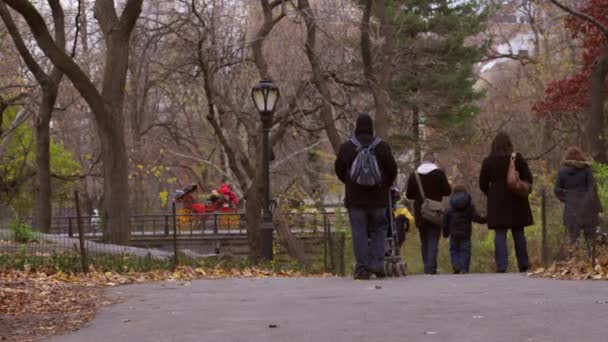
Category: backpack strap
[356,142]
[374,143]
[420,188]
[360,146]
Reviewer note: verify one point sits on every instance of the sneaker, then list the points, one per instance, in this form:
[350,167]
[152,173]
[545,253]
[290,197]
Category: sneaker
[456,271]
[524,269]
[363,275]
[379,273]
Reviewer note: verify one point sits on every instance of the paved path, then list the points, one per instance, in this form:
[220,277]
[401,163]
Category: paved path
[488,307]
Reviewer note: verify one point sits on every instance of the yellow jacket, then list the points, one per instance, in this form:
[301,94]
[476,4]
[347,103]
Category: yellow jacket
[403,211]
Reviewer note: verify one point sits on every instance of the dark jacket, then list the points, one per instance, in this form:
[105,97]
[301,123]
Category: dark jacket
[435,185]
[357,196]
[505,210]
[458,220]
[575,187]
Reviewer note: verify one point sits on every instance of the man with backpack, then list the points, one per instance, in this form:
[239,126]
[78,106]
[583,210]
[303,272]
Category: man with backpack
[366,166]
[427,186]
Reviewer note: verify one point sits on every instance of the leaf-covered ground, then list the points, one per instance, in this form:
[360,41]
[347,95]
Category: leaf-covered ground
[576,265]
[574,269]
[34,305]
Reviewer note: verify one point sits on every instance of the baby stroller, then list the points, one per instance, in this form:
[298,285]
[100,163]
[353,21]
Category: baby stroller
[393,264]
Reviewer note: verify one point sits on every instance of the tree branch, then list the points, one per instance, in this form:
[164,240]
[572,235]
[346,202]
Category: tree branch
[27,57]
[583,16]
[105,13]
[56,54]
[130,14]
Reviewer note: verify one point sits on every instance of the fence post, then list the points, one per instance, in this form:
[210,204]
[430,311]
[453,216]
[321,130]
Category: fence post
[70,231]
[543,217]
[325,242]
[593,250]
[174,235]
[167,225]
[332,256]
[83,252]
[215,230]
[342,252]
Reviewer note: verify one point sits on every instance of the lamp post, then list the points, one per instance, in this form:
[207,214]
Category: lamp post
[265,96]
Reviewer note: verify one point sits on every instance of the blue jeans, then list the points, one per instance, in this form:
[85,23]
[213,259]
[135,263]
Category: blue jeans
[460,253]
[429,242]
[369,228]
[501,252]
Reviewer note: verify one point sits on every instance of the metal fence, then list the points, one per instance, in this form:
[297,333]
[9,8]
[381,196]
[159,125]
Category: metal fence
[165,239]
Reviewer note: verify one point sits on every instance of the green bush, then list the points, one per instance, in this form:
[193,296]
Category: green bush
[22,232]
[600,172]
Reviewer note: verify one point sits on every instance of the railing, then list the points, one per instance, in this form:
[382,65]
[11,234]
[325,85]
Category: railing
[183,236]
[157,225]
[153,225]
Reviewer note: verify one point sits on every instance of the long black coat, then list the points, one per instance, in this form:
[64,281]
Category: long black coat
[505,210]
[575,187]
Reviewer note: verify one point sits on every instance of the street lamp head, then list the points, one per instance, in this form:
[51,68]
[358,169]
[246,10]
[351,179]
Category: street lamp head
[265,96]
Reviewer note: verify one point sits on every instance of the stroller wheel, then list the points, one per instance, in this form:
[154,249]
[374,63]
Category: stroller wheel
[388,269]
[393,269]
[396,270]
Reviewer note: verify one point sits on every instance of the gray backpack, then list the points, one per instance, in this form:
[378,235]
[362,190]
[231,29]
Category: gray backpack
[364,170]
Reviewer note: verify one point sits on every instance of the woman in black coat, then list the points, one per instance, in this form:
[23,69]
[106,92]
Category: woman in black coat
[575,187]
[505,209]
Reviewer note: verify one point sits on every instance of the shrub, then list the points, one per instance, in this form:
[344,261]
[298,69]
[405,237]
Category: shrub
[22,232]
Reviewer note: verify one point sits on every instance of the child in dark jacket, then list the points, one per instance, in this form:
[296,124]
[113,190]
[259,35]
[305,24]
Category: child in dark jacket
[458,225]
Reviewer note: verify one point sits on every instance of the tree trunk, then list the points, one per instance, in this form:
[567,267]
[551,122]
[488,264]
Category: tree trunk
[117,228]
[115,185]
[289,241]
[253,217]
[106,106]
[139,192]
[327,112]
[416,134]
[379,86]
[597,97]
[49,85]
[385,72]
[43,160]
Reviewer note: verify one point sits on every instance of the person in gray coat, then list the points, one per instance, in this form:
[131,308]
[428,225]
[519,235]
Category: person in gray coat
[575,187]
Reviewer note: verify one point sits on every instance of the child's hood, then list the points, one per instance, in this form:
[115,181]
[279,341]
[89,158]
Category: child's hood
[460,201]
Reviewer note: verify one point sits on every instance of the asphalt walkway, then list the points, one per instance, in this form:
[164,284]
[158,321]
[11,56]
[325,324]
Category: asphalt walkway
[484,307]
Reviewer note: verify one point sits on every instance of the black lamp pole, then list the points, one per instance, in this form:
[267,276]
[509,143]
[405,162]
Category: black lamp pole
[265,95]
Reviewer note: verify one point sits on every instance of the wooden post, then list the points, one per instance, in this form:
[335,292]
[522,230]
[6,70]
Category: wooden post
[83,252]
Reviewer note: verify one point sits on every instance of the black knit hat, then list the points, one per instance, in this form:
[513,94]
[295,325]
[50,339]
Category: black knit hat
[365,124]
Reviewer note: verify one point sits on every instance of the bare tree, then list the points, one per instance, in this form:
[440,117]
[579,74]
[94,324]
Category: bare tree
[319,78]
[49,84]
[107,105]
